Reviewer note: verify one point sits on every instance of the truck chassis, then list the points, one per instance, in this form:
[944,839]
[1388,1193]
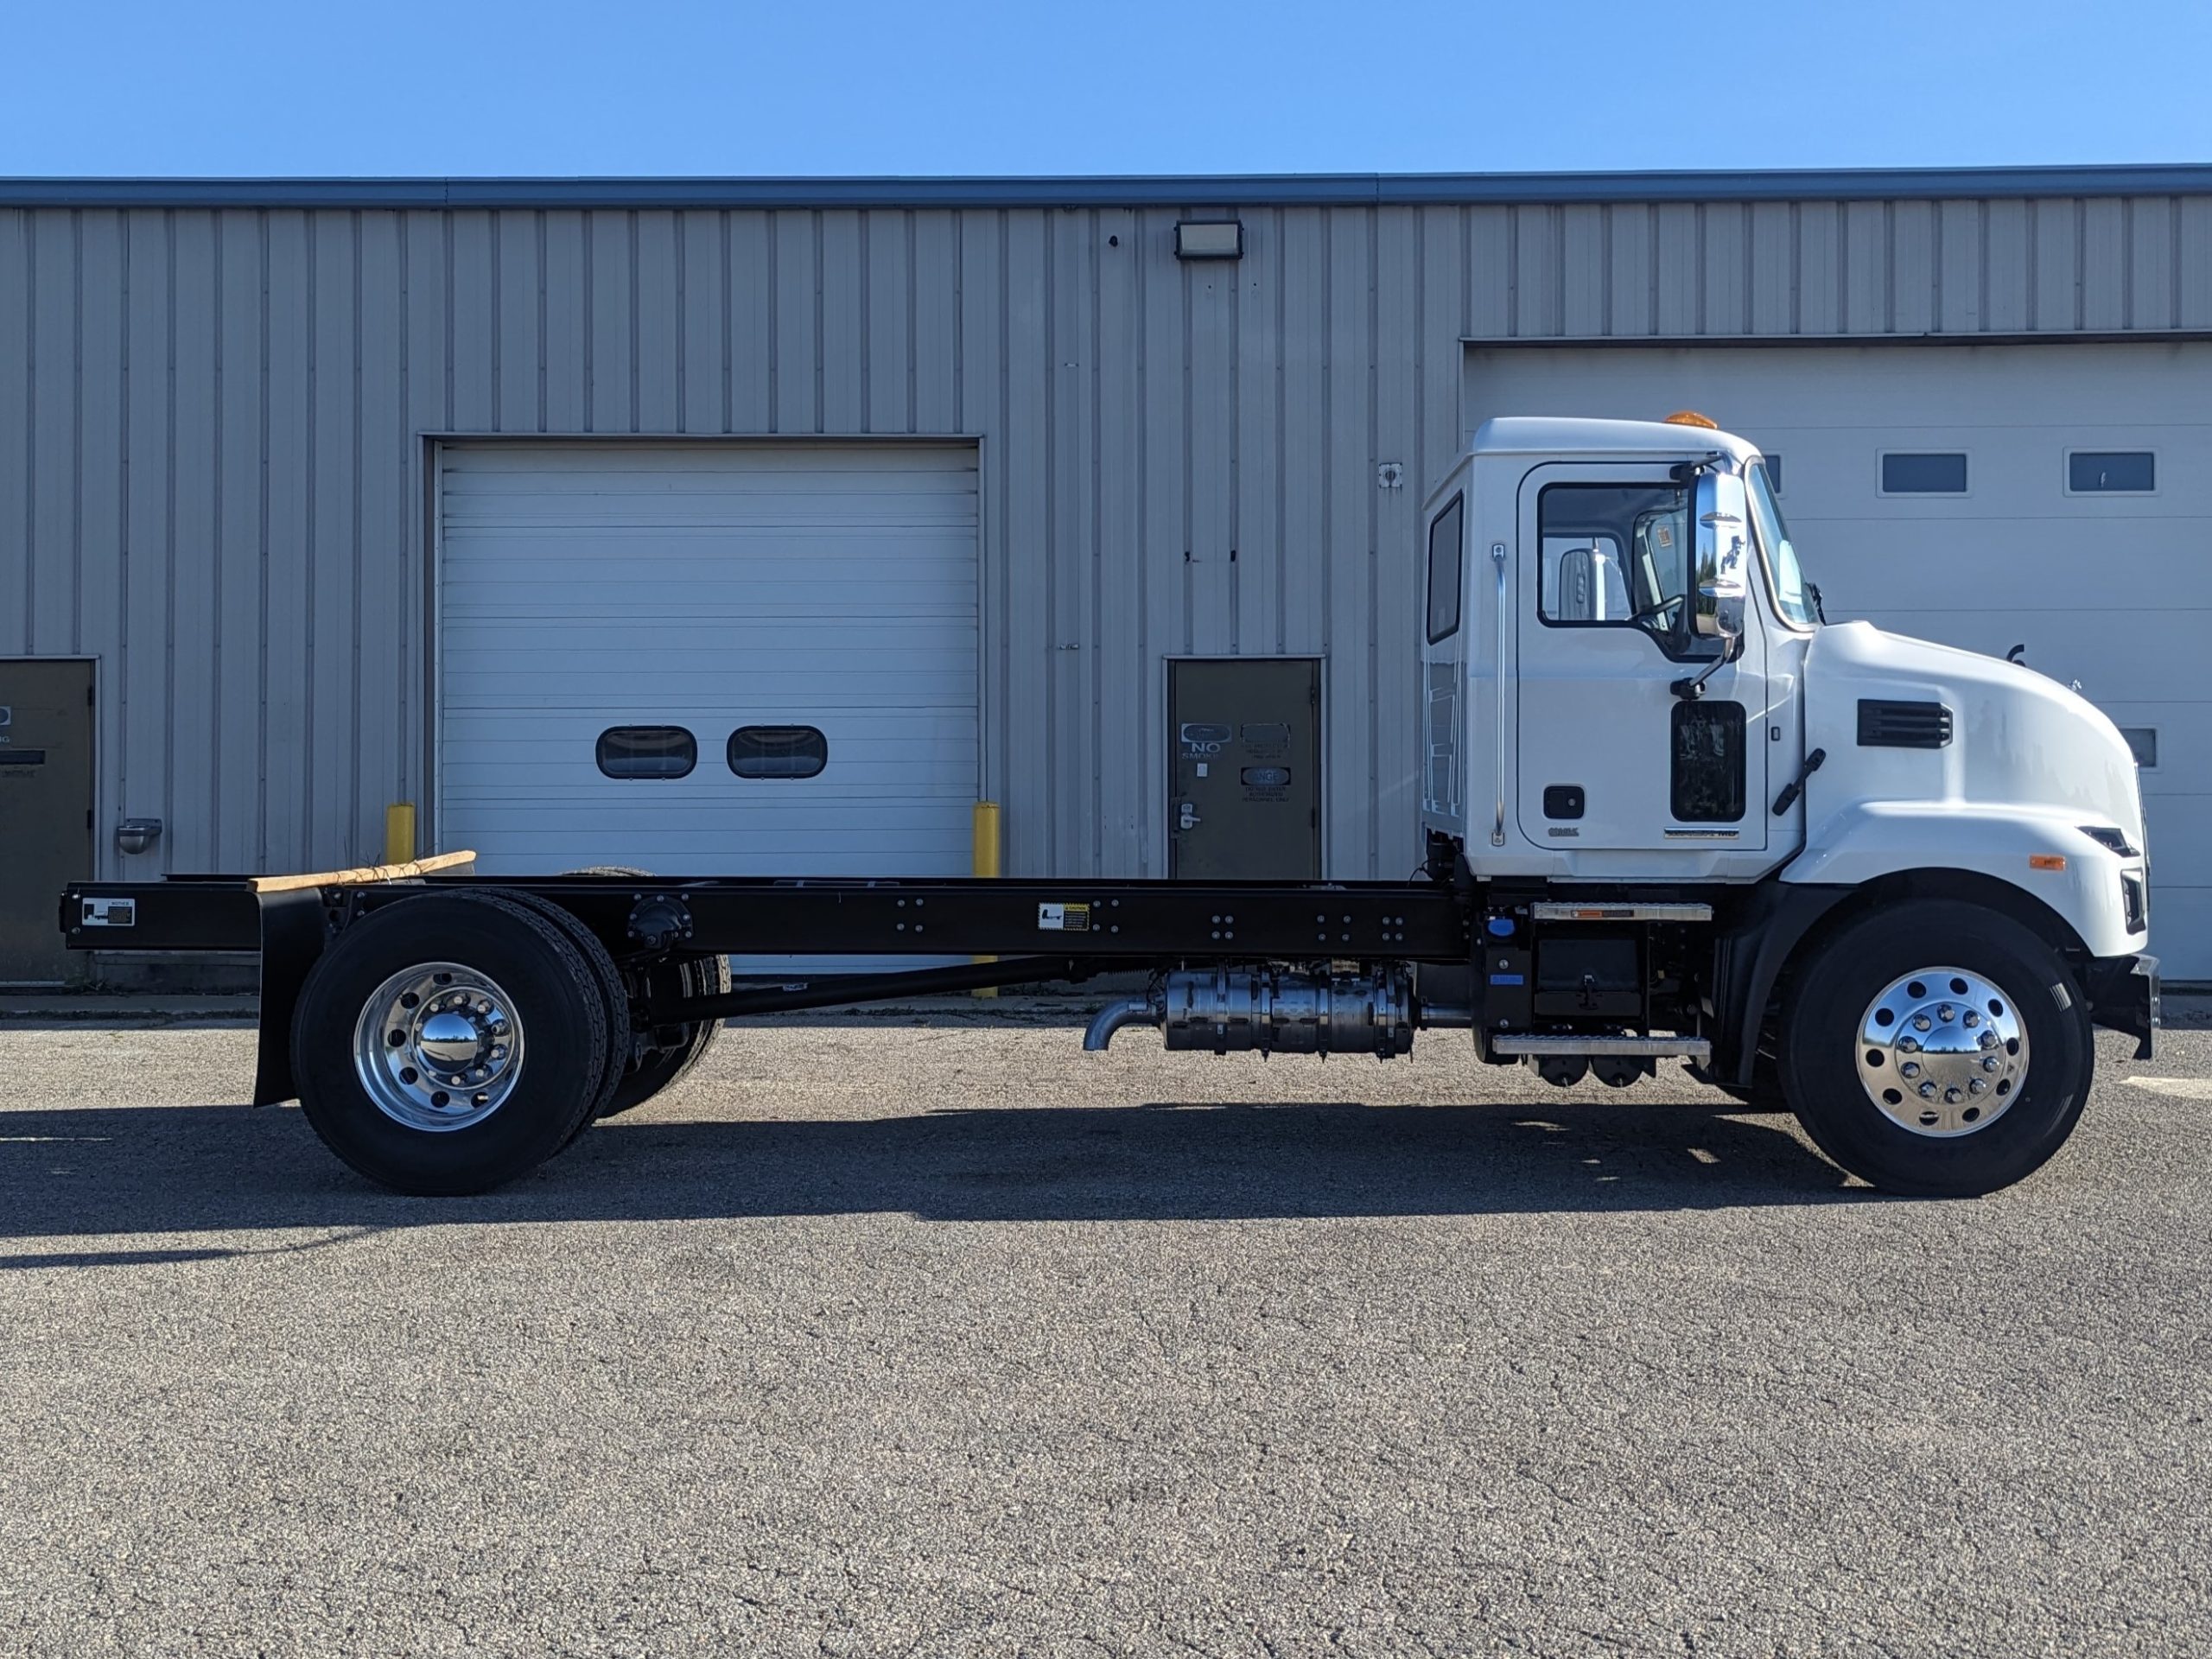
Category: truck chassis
[396,1001]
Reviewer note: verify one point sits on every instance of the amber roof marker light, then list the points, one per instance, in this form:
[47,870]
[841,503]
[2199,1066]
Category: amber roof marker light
[1691,418]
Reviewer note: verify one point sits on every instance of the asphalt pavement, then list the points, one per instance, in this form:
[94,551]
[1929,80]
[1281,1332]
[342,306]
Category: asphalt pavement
[922,1335]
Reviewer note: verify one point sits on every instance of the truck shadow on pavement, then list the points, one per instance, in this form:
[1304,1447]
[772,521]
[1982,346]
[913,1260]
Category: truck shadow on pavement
[125,1170]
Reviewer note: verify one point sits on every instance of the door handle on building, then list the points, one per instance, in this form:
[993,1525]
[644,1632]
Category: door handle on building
[1186,815]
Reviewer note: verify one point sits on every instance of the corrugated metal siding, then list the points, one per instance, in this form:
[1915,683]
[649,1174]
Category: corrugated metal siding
[212,474]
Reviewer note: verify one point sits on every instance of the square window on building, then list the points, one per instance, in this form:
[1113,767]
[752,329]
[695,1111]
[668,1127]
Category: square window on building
[2110,471]
[2143,741]
[1923,473]
[1772,461]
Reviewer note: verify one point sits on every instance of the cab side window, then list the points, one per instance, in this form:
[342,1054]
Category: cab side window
[1616,555]
[1444,563]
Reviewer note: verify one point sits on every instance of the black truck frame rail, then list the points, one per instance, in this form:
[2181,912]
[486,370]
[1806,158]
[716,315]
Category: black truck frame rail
[1041,932]
[1120,920]
[1036,932]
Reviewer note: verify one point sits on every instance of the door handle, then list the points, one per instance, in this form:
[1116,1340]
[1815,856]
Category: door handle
[1504,628]
[1186,815]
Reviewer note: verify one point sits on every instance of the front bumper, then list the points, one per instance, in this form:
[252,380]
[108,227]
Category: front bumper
[2124,996]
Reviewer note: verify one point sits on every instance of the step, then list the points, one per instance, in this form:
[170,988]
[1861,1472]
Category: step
[1687,1048]
[1562,909]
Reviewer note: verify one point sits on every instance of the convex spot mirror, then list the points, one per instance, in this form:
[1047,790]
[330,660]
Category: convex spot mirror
[1723,551]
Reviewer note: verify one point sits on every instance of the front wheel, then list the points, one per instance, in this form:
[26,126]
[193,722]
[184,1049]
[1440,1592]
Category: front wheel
[1938,1049]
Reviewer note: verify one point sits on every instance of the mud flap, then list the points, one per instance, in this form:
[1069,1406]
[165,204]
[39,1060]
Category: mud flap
[293,930]
[2124,996]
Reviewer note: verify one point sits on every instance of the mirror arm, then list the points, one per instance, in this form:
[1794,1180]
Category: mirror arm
[1683,471]
[1689,691]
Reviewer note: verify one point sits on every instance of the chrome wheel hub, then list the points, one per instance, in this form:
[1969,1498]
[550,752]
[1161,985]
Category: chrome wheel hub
[1943,1052]
[438,1047]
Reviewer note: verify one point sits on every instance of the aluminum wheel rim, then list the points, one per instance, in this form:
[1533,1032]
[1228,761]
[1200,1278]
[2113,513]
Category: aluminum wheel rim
[438,1047]
[1943,1052]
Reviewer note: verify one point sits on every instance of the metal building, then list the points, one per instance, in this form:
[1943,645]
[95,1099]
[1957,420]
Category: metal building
[767,525]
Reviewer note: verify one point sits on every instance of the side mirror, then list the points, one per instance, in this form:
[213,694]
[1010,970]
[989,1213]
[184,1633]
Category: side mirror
[1723,518]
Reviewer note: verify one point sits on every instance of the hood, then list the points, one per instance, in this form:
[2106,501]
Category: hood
[2016,737]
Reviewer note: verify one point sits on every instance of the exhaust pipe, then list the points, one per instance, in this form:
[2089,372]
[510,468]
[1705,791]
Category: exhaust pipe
[1129,1011]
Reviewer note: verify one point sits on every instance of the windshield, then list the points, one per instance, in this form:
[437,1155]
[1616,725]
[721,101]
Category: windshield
[1783,569]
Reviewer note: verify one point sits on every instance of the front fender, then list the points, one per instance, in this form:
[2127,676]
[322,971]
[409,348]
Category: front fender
[1868,839]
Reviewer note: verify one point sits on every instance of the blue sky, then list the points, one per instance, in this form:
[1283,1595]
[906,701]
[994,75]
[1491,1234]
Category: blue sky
[937,87]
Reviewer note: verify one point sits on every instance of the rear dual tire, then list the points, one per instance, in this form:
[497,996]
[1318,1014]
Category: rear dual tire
[653,1069]
[447,1042]
[648,1068]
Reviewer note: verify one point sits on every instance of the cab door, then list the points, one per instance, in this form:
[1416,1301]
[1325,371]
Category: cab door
[1610,759]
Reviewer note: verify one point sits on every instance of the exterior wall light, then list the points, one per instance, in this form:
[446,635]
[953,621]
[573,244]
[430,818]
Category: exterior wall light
[1209,239]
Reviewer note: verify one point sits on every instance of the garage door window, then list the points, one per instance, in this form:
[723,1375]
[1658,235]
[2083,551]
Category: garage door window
[647,751]
[1919,474]
[2110,471]
[777,751]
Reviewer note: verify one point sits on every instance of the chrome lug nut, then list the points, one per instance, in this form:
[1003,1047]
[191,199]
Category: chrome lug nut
[1921,1022]
[1911,1068]
[1928,1092]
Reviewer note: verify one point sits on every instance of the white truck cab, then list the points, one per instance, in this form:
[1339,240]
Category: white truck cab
[1628,680]
[1899,855]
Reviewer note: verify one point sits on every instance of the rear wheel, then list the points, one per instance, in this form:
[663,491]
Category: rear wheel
[650,1069]
[622,1047]
[656,1069]
[449,1043]
[1938,1049]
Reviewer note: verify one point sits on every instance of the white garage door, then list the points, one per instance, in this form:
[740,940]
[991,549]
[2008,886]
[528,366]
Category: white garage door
[613,615]
[2057,497]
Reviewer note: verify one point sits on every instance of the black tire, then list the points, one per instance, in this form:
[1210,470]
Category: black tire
[1821,1044]
[622,1048]
[557,1003]
[648,1070]
[658,1069]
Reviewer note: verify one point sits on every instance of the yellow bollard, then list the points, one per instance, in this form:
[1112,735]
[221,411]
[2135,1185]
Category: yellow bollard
[399,832]
[986,861]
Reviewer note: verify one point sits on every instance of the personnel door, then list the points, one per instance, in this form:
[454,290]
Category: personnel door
[46,811]
[1611,759]
[1245,780]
